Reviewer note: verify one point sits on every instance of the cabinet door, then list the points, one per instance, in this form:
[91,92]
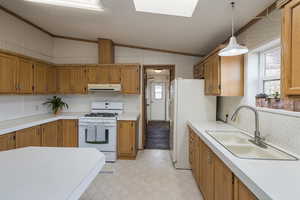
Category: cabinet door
[68,133]
[98,74]
[114,75]
[50,134]
[25,76]
[241,192]
[207,181]
[8,74]
[130,79]
[223,181]
[208,77]
[40,78]
[216,81]
[197,159]
[126,139]
[7,141]
[63,80]
[28,137]
[291,47]
[51,79]
[77,80]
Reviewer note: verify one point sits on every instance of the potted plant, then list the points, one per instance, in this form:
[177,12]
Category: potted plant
[56,103]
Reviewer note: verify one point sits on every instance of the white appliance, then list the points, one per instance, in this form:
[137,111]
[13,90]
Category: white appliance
[187,102]
[104,87]
[99,128]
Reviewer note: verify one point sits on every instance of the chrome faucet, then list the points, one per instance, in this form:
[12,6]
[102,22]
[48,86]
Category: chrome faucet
[258,140]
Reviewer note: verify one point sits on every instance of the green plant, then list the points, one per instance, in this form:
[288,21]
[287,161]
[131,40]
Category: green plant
[56,103]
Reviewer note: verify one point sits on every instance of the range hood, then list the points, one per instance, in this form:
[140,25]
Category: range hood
[104,87]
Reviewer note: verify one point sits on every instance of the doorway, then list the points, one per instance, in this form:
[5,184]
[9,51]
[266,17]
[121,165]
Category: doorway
[156,95]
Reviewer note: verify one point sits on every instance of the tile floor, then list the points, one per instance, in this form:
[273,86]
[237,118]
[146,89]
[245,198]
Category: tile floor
[150,177]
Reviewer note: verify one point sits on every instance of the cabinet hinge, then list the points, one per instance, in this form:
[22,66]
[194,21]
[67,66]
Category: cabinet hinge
[219,86]
[32,88]
[232,179]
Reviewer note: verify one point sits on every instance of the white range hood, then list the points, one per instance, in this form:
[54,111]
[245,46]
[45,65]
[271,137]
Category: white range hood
[104,87]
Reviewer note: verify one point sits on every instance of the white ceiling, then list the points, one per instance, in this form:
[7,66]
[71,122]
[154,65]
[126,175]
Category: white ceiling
[209,26]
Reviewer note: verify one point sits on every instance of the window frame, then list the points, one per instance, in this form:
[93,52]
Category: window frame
[262,64]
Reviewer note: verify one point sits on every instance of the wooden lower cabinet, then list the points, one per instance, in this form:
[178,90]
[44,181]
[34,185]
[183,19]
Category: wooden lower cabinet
[28,137]
[215,180]
[241,192]
[7,141]
[127,139]
[50,134]
[223,181]
[68,133]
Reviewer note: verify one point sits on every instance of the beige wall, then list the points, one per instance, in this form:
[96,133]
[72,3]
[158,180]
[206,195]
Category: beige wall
[280,129]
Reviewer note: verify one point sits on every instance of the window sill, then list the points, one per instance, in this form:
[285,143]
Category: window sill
[279,112]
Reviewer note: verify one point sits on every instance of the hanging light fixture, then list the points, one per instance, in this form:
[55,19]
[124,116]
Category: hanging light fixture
[233,48]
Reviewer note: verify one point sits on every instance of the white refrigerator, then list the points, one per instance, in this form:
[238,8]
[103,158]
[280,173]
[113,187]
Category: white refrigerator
[187,102]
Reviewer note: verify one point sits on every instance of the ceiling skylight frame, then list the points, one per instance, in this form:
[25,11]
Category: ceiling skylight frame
[181,8]
[94,5]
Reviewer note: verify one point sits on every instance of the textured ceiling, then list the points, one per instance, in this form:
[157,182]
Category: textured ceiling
[209,26]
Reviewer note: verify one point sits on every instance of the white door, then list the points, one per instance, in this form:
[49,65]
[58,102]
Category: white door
[158,101]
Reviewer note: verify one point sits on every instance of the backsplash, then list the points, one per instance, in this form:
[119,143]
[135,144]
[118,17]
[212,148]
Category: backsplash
[17,106]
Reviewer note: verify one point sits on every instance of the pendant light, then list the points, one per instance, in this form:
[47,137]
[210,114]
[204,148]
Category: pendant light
[233,48]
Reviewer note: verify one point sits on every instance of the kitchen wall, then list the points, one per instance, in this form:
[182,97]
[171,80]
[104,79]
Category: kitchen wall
[281,129]
[20,37]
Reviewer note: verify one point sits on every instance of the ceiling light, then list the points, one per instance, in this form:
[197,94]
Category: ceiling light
[158,71]
[82,4]
[233,48]
[184,8]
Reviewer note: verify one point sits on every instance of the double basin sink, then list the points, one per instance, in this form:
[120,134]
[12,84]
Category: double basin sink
[237,142]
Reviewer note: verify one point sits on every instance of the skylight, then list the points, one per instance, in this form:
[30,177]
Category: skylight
[184,8]
[82,4]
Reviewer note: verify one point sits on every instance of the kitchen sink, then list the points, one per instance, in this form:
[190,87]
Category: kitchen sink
[237,142]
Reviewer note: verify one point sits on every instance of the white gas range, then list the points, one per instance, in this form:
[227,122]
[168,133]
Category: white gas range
[99,128]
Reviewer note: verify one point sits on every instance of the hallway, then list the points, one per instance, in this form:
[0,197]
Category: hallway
[158,135]
[150,177]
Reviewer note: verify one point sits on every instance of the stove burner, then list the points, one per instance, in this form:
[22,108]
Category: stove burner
[100,115]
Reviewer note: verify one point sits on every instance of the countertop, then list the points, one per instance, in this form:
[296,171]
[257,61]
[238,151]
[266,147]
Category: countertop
[36,173]
[130,116]
[9,126]
[267,179]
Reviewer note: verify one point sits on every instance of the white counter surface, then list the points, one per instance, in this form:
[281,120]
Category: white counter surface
[35,120]
[267,179]
[36,173]
[130,116]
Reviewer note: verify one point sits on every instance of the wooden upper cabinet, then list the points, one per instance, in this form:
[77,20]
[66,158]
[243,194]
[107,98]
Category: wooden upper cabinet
[77,80]
[115,74]
[223,181]
[127,139]
[8,74]
[28,137]
[50,134]
[224,76]
[130,79]
[291,48]
[199,71]
[51,79]
[63,80]
[25,76]
[7,141]
[40,78]
[103,74]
